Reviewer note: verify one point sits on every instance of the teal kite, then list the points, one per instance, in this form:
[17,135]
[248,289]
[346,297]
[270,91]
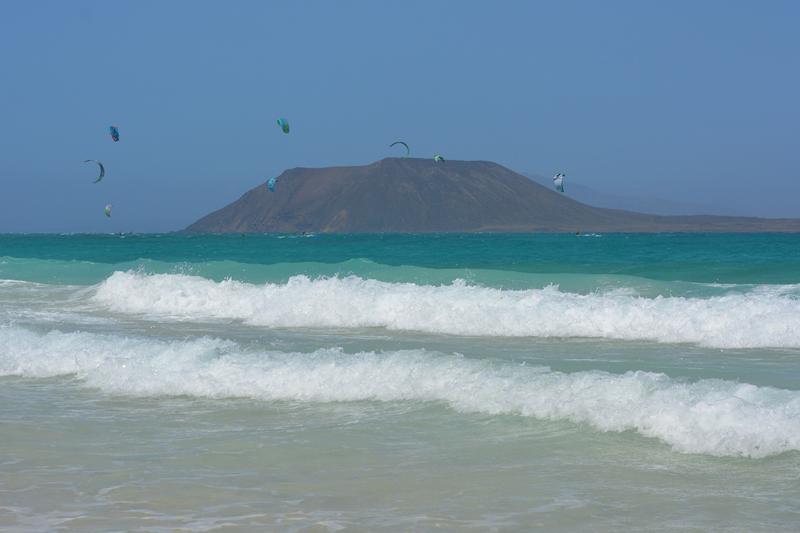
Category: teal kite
[284,124]
[438,158]
[107,210]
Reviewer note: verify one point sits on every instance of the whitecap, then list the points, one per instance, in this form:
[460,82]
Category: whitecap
[759,318]
[708,416]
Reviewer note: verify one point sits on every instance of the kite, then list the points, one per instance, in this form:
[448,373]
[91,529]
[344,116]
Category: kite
[284,124]
[408,150]
[558,181]
[99,164]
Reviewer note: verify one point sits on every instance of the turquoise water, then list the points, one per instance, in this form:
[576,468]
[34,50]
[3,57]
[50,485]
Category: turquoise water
[487,382]
[726,258]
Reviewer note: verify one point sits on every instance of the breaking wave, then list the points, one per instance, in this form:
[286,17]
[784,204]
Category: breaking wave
[708,416]
[762,317]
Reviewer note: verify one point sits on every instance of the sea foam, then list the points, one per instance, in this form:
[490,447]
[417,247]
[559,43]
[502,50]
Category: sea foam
[764,317]
[708,416]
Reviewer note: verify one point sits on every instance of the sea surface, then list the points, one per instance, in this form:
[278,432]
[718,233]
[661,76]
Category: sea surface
[400,382]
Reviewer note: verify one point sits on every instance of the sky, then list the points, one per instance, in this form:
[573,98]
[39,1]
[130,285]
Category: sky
[681,100]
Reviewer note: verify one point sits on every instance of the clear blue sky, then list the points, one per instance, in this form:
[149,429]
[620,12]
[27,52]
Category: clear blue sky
[686,100]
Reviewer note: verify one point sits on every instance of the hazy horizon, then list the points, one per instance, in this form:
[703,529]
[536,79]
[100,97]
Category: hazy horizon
[692,103]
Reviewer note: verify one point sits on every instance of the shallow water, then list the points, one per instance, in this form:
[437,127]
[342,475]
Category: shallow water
[400,382]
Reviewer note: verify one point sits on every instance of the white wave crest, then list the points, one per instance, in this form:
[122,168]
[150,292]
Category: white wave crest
[714,417]
[754,319]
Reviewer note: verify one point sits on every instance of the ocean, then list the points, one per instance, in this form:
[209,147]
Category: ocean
[597,382]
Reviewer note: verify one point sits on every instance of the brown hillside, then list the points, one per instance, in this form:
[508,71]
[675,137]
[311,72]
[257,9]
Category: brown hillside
[420,195]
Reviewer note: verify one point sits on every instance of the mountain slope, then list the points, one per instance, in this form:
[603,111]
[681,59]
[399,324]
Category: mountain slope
[420,195]
[632,202]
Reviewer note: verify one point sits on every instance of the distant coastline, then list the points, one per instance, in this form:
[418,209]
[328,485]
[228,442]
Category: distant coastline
[399,195]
